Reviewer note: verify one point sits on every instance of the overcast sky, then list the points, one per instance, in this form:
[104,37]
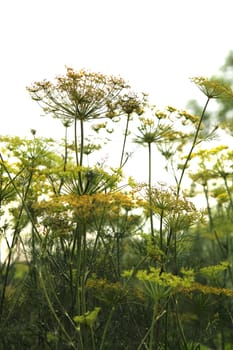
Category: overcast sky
[155,45]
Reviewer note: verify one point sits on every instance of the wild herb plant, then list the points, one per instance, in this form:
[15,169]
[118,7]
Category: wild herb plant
[94,260]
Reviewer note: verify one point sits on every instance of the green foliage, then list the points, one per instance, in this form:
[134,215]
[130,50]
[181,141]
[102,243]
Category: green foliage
[89,318]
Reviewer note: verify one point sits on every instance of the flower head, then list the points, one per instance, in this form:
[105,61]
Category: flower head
[213,88]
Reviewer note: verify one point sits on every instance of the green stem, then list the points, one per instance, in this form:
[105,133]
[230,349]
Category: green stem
[81,141]
[79,162]
[125,137]
[150,194]
[180,324]
[83,271]
[166,328]
[76,141]
[152,328]
[161,242]
[66,149]
[118,254]
[98,233]
[65,158]
[143,341]
[93,339]
[192,147]
[150,331]
[113,307]
[81,154]
[206,193]
[106,328]
[14,240]
[78,271]
[23,199]
[169,237]
[50,305]
[161,231]
[228,190]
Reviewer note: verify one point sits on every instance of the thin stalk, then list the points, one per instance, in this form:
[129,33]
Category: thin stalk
[108,253]
[65,157]
[211,221]
[192,146]
[25,207]
[175,253]
[152,329]
[84,269]
[143,341]
[106,328]
[14,240]
[71,266]
[169,237]
[113,306]
[180,327]
[76,141]
[206,193]
[57,301]
[53,310]
[81,141]
[228,190]
[161,231]
[166,328]
[78,271]
[150,195]
[161,242]
[81,153]
[93,339]
[80,292]
[118,254]
[98,233]
[125,137]
[221,246]
[66,149]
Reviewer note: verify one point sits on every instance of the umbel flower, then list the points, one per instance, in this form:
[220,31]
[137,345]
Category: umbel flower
[178,213]
[81,95]
[132,103]
[152,131]
[213,88]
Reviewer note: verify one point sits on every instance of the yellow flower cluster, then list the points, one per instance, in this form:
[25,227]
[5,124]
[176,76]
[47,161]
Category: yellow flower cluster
[166,279]
[205,289]
[214,270]
[193,118]
[105,290]
[87,207]
[213,88]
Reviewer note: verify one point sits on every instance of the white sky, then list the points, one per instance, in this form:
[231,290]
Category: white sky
[155,45]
